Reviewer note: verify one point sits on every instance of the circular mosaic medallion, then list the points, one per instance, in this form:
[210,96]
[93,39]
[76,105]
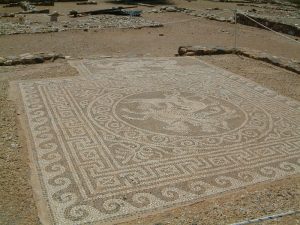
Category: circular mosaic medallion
[178,118]
[177,113]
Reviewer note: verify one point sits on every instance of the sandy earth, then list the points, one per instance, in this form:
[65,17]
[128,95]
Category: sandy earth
[149,41]
[17,205]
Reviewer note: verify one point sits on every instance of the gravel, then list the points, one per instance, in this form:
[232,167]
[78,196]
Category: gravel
[83,23]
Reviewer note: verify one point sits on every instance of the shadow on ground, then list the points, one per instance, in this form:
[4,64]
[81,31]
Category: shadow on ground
[134,2]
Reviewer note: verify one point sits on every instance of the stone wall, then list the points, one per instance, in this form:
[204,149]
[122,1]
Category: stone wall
[28,58]
[17,1]
[9,1]
[277,26]
[291,65]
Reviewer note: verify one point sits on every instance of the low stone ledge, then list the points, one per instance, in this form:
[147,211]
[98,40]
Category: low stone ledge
[28,58]
[223,15]
[274,25]
[291,65]
[203,50]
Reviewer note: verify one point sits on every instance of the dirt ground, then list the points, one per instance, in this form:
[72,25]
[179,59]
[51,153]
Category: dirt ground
[17,206]
[162,41]
[272,77]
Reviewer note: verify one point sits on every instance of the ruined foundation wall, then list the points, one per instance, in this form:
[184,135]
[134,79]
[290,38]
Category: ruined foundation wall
[277,26]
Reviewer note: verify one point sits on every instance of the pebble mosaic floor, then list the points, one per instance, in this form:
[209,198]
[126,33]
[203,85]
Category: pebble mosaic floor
[135,136]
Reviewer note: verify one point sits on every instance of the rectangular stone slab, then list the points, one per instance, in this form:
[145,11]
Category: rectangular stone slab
[131,137]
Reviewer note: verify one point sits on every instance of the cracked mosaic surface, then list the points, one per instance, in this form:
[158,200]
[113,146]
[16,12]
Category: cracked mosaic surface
[134,136]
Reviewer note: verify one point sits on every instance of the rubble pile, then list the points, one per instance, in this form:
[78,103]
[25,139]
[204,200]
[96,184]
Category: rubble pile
[82,23]
[28,58]
[284,18]
[285,23]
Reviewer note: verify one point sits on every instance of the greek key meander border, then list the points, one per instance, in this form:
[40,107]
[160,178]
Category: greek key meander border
[134,166]
[65,94]
[115,170]
[177,203]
